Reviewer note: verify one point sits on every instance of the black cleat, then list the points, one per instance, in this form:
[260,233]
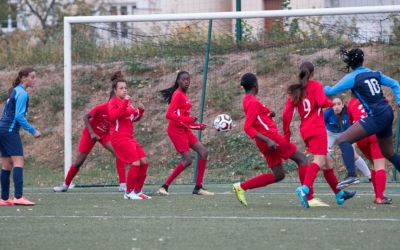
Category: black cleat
[348,194]
[347,182]
[384,201]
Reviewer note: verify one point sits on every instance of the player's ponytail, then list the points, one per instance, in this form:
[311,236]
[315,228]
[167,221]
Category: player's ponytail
[115,79]
[248,81]
[296,91]
[167,93]
[24,72]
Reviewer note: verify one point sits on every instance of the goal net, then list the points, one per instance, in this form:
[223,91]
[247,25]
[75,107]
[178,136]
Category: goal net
[151,49]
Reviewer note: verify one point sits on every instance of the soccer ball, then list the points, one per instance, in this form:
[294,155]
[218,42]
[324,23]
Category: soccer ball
[223,122]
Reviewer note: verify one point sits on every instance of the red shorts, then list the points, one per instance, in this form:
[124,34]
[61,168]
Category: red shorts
[370,148]
[182,138]
[86,143]
[127,149]
[276,156]
[317,144]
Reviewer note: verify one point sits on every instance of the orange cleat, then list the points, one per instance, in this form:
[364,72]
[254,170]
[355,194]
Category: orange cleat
[23,202]
[8,202]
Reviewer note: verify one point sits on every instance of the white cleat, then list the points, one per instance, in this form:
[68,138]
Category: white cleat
[132,196]
[144,196]
[60,189]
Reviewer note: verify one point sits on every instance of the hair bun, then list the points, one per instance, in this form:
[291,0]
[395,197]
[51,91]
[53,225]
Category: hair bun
[117,75]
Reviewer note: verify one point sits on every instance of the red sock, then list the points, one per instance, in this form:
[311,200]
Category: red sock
[142,177]
[380,183]
[178,169]
[71,174]
[302,170]
[331,179]
[373,180]
[133,174]
[201,168]
[261,180]
[312,171]
[120,166]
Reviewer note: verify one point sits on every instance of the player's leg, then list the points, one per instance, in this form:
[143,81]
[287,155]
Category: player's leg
[202,151]
[7,165]
[144,165]
[380,182]
[119,166]
[361,164]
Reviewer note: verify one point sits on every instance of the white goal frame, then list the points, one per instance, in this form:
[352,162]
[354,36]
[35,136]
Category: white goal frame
[68,21]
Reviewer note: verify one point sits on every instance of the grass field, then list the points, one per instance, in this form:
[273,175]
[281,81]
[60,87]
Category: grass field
[99,218]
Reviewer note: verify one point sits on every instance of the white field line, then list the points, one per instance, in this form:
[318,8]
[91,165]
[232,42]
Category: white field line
[202,218]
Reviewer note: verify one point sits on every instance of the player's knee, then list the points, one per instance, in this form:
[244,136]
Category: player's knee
[187,161]
[279,176]
[203,154]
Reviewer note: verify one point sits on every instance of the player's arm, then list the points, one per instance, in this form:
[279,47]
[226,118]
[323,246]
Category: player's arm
[86,121]
[20,110]
[115,111]
[321,98]
[346,83]
[139,114]
[393,84]
[173,107]
[287,117]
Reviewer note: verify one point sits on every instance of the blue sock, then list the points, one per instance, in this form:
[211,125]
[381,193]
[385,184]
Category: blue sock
[348,158]
[395,160]
[18,174]
[5,184]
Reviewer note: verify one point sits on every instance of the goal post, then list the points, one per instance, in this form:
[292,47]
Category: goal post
[69,21]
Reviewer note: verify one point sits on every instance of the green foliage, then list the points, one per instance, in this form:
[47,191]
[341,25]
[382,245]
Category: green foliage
[267,62]
[53,97]
[220,96]
[90,79]
[136,67]
[80,102]
[3,95]
[137,82]
[321,61]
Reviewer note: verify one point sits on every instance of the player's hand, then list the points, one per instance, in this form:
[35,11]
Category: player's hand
[272,144]
[127,97]
[94,137]
[140,105]
[272,114]
[194,118]
[203,127]
[37,134]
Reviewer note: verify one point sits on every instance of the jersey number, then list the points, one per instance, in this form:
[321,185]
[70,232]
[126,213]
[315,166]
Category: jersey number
[373,85]
[307,107]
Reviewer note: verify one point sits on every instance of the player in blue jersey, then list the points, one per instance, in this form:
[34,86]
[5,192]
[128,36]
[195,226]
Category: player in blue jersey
[336,122]
[12,119]
[366,85]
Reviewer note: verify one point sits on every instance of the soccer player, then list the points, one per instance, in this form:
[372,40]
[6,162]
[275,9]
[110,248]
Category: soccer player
[179,131]
[97,129]
[370,148]
[366,85]
[308,97]
[260,126]
[12,155]
[122,115]
[337,121]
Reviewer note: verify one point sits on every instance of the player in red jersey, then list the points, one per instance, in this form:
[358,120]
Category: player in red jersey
[122,115]
[97,129]
[179,131]
[369,146]
[260,126]
[308,98]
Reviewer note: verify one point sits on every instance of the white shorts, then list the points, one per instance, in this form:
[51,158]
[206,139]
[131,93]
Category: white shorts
[332,137]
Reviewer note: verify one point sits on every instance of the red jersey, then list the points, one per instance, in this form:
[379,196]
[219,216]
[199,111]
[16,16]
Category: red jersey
[122,115]
[258,119]
[310,111]
[355,110]
[99,119]
[178,112]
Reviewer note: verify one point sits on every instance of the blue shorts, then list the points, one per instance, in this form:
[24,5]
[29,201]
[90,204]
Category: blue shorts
[10,144]
[380,125]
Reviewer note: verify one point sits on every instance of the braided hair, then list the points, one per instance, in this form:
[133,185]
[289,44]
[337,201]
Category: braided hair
[353,58]
[167,93]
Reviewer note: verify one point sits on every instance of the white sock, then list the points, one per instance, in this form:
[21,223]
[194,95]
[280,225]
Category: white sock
[362,166]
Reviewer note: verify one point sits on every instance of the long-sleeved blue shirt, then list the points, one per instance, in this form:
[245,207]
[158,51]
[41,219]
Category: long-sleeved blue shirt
[14,112]
[332,121]
[366,86]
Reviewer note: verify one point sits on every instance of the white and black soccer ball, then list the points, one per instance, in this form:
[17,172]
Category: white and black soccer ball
[223,123]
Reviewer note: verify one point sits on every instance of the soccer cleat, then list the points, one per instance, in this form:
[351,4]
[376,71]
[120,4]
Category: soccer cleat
[348,194]
[384,201]
[302,193]
[317,203]
[8,202]
[122,187]
[144,196]
[347,182]
[202,191]
[238,190]
[23,202]
[62,188]
[132,196]
[162,191]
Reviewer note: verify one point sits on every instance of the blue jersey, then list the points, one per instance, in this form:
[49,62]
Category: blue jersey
[14,112]
[366,86]
[332,121]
